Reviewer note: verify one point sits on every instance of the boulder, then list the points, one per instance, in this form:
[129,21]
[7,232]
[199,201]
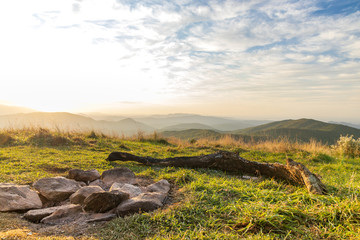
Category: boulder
[162,186]
[84,176]
[132,190]
[145,202]
[57,189]
[37,214]
[79,196]
[67,214]
[100,202]
[120,175]
[18,197]
[99,183]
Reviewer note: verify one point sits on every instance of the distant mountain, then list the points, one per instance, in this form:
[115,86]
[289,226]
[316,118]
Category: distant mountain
[72,122]
[219,123]
[6,110]
[103,116]
[301,130]
[186,126]
[347,124]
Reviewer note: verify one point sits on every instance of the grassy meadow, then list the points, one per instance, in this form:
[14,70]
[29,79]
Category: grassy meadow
[205,204]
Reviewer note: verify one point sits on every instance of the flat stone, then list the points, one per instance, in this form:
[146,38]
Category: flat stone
[145,202]
[162,186]
[84,175]
[68,214]
[100,202]
[38,214]
[250,178]
[132,190]
[119,175]
[99,217]
[57,189]
[18,197]
[154,195]
[79,196]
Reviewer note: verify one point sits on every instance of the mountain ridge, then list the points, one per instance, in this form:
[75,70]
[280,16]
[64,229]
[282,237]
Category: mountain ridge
[302,130]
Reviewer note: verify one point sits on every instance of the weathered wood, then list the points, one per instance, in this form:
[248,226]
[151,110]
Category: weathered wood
[293,172]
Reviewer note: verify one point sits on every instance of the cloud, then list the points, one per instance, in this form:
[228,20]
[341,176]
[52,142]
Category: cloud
[186,51]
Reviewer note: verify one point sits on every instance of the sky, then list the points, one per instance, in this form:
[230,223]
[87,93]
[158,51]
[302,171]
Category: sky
[255,59]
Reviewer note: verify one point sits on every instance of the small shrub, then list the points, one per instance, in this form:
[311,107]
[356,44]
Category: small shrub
[5,139]
[192,141]
[162,141]
[92,135]
[140,135]
[43,137]
[348,146]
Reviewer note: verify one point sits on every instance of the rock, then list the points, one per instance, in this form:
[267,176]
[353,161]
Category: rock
[155,195]
[57,188]
[162,186]
[99,183]
[99,217]
[132,190]
[84,176]
[69,213]
[18,197]
[38,214]
[120,175]
[79,196]
[103,201]
[145,202]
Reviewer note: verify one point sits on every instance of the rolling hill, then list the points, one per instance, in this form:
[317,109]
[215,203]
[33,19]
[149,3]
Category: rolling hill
[193,134]
[219,123]
[7,110]
[186,126]
[72,122]
[301,130]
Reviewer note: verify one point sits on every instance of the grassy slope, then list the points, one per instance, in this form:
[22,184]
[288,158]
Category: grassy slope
[302,130]
[208,204]
[192,134]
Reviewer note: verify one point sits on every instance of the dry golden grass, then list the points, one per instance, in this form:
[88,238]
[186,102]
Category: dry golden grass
[274,146]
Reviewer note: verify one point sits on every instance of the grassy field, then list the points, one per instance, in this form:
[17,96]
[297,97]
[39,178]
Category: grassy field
[206,204]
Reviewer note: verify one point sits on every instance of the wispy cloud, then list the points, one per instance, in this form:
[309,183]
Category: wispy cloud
[183,51]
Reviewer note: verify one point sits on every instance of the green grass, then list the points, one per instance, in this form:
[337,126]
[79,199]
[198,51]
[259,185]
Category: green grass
[206,204]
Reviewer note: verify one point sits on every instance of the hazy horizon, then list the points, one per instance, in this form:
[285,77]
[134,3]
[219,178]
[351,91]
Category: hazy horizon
[246,59]
[105,115]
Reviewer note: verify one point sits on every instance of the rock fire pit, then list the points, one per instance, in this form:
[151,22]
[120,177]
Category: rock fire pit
[84,196]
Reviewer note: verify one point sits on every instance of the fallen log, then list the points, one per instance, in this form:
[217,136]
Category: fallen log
[293,172]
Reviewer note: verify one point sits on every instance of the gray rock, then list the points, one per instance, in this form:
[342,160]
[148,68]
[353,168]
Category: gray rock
[38,214]
[84,176]
[145,202]
[18,197]
[132,190]
[79,196]
[120,175]
[103,201]
[69,213]
[99,183]
[57,189]
[155,195]
[99,217]
[162,186]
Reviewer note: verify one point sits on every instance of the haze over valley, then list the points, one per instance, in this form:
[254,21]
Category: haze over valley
[182,126]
